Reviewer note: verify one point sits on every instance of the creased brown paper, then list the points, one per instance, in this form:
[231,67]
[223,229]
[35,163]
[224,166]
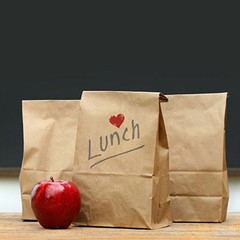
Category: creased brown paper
[121,161]
[195,125]
[49,130]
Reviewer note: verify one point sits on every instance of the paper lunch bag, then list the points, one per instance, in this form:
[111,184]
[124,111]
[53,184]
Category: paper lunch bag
[121,161]
[195,125]
[49,131]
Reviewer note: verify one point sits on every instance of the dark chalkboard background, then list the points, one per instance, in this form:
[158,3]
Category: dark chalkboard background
[56,52]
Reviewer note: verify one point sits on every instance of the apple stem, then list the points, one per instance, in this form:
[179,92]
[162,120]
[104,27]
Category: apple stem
[52,179]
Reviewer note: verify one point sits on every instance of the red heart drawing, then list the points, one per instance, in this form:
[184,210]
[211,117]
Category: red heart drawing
[117,121]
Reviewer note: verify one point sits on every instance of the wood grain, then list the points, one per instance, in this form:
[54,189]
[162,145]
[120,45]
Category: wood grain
[12,227]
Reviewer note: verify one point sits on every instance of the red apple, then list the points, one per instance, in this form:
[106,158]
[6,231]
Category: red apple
[55,203]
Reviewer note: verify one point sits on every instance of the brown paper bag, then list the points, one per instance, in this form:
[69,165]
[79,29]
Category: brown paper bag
[49,130]
[195,126]
[121,161]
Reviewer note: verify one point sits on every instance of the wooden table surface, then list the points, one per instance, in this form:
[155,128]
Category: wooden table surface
[12,227]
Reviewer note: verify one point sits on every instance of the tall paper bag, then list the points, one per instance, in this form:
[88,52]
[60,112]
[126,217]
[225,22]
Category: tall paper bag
[49,131]
[195,125]
[121,161]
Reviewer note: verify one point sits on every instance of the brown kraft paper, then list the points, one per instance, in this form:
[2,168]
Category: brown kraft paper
[121,161]
[49,130]
[195,125]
